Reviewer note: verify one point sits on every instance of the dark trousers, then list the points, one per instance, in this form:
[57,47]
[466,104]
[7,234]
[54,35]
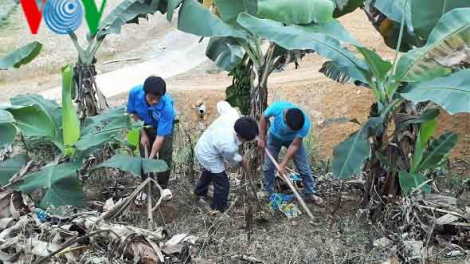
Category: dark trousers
[165,154]
[221,188]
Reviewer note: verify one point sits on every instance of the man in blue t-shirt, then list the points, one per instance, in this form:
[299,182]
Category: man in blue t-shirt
[289,127]
[150,103]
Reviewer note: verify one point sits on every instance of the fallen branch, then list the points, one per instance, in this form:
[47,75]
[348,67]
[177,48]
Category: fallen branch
[118,208]
[161,196]
[467,225]
[441,210]
[249,259]
[71,242]
[121,60]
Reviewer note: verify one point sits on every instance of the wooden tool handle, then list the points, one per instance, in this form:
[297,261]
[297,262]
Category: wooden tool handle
[149,197]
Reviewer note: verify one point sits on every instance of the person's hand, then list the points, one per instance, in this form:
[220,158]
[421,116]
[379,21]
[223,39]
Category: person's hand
[282,169]
[144,141]
[261,143]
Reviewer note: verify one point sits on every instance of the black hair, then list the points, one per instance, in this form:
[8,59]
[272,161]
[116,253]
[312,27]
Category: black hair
[295,118]
[246,128]
[155,85]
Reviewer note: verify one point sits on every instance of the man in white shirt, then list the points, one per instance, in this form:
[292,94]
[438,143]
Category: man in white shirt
[219,145]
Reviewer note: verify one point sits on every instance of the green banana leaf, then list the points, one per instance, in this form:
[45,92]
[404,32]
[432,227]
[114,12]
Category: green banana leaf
[226,52]
[349,155]
[377,65]
[33,121]
[172,4]
[88,145]
[438,150]
[127,12]
[133,138]
[7,129]
[452,92]
[335,30]
[445,49]
[70,121]
[303,38]
[10,167]
[393,9]
[426,131]
[409,181]
[98,130]
[427,13]
[60,183]
[230,9]
[50,107]
[295,12]
[115,118]
[195,19]
[342,74]
[21,56]
[134,165]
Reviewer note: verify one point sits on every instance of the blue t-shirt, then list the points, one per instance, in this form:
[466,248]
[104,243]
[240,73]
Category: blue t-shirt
[279,128]
[160,116]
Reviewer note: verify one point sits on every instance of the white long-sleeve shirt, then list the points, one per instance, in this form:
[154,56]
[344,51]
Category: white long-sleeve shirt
[219,143]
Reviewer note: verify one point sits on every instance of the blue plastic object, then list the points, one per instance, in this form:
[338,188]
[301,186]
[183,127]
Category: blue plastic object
[41,214]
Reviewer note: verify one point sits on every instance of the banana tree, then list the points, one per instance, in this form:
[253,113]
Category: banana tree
[236,43]
[245,38]
[15,59]
[395,141]
[32,115]
[89,98]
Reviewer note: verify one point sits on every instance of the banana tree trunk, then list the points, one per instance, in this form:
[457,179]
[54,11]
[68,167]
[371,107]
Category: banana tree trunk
[259,103]
[90,100]
[391,153]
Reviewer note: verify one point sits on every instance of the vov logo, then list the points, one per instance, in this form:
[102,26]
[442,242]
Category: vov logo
[62,16]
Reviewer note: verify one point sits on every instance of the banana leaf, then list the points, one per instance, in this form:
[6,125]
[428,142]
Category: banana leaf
[297,12]
[445,50]
[452,92]
[21,56]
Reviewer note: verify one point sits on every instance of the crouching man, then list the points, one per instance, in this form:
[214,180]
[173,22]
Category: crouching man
[219,145]
[289,127]
[150,103]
